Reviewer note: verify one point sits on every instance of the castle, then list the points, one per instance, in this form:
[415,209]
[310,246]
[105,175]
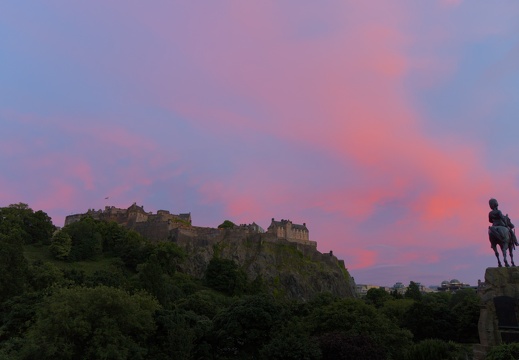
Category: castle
[134,214]
[161,225]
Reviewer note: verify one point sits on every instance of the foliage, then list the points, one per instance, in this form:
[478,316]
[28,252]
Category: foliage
[396,310]
[87,241]
[434,349]
[180,335]
[34,227]
[42,275]
[13,265]
[224,275]
[431,318]
[227,224]
[246,326]
[291,343]
[353,318]
[338,345]
[19,225]
[92,323]
[503,352]
[377,297]
[60,245]
[465,306]
[82,296]
[413,292]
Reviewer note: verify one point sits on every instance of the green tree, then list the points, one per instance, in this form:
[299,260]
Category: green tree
[13,265]
[34,226]
[434,349]
[503,352]
[246,326]
[92,323]
[338,345]
[133,250]
[465,308]
[87,241]
[413,292]
[60,245]
[180,335]
[291,343]
[359,321]
[431,318]
[40,227]
[43,275]
[169,256]
[396,310]
[227,224]
[224,275]
[377,297]
[155,281]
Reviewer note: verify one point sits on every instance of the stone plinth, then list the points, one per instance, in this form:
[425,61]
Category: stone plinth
[499,283]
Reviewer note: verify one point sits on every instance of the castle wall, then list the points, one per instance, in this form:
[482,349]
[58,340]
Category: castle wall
[154,231]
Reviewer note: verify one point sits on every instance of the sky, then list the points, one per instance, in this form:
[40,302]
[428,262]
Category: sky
[385,126]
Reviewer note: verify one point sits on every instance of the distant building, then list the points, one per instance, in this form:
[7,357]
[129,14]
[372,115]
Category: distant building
[399,288]
[454,285]
[253,228]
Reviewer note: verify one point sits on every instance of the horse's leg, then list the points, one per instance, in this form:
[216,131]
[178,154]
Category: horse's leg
[497,256]
[504,248]
[510,251]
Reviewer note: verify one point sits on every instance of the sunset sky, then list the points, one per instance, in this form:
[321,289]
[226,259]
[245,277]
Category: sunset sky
[385,126]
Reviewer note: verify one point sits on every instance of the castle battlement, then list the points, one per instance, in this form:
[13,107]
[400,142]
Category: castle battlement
[159,226]
[133,215]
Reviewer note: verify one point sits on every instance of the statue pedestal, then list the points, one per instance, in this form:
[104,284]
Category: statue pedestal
[499,307]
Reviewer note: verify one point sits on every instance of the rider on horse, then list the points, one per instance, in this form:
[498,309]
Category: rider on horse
[495,216]
[501,232]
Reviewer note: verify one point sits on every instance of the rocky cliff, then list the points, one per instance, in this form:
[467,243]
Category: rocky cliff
[294,270]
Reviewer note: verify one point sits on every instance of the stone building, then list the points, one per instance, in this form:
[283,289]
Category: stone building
[132,215]
[289,231]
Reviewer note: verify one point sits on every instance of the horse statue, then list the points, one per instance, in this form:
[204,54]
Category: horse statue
[501,233]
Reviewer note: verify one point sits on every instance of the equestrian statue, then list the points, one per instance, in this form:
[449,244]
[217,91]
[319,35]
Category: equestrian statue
[501,233]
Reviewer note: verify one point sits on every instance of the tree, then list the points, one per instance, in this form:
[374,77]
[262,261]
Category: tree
[227,224]
[87,241]
[180,335]
[431,318]
[377,297]
[92,323]
[434,349]
[291,343]
[413,292]
[225,276]
[44,274]
[13,265]
[36,226]
[503,352]
[246,326]
[60,245]
[338,345]
[40,227]
[396,310]
[465,308]
[358,321]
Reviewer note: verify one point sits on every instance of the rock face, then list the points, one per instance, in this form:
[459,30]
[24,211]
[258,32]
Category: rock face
[499,306]
[289,269]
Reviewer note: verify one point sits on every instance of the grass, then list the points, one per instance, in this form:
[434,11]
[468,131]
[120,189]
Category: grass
[38,252]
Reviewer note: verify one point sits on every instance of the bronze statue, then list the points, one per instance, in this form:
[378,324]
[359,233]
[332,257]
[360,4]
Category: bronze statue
[501,233]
